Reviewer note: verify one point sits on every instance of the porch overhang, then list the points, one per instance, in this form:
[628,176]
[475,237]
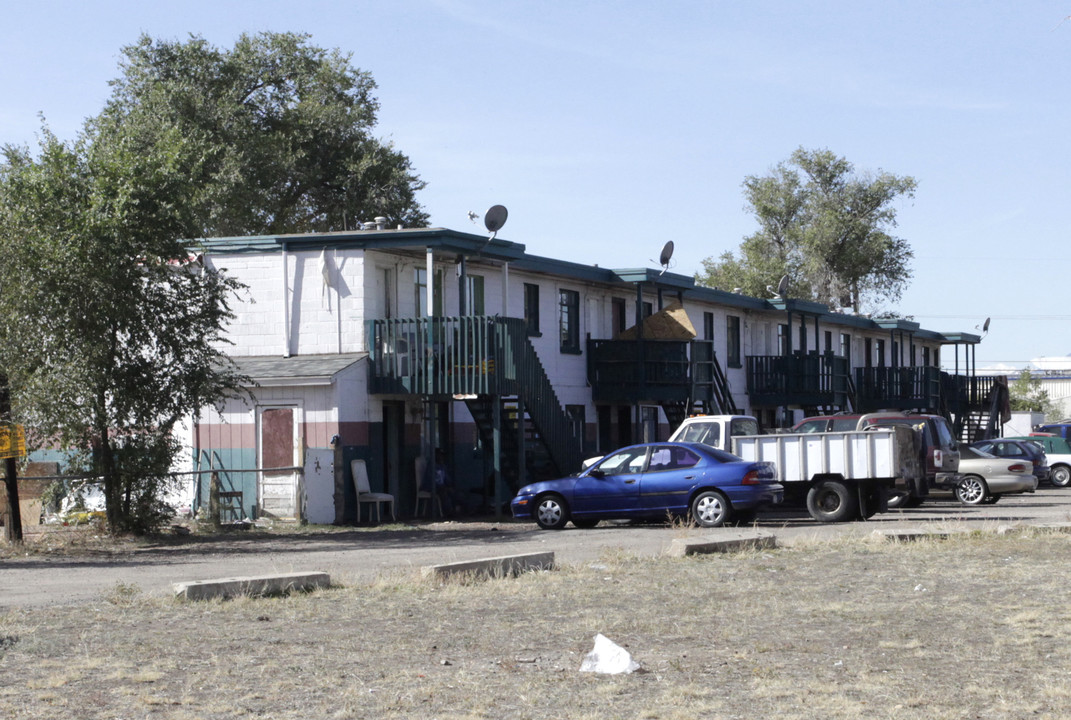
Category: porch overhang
[296,370]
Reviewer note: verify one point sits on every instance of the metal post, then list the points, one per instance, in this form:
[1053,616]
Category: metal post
[496,451]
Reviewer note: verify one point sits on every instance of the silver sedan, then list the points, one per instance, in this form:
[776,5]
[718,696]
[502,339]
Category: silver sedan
[984,477]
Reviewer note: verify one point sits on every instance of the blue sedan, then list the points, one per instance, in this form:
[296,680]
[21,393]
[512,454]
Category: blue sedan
[654,480]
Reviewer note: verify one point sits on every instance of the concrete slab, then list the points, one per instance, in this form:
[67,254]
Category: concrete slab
[261,585]
[910,535]
[492,567]
[741,540]
[1060,527]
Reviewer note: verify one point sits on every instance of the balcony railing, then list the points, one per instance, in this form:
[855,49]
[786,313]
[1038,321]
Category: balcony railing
[898,388]
[443,356]
[656,371]
[631,371]
[798,379]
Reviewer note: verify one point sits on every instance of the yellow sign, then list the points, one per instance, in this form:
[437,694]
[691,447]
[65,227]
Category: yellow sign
[12,441]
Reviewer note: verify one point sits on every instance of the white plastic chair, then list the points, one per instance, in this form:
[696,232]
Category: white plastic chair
[364,491]
[428,496]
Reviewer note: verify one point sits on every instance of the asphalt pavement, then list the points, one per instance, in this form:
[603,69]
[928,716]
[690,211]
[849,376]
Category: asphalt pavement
[362,555]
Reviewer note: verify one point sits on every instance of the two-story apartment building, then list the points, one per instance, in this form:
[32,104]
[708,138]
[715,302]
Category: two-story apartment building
[384,345]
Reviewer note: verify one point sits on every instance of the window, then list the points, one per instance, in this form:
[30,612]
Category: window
[879,352]
[624,462]
[474,295]
[388,292]
[926,356]
[732,341]
[649,423]
[620,313]
[708,326]
[421,278]
[803,338]
[868,352]
[578,416]
[648,309]
[845,347]
[782,343]
[829,341]
[531,308]
[569,321]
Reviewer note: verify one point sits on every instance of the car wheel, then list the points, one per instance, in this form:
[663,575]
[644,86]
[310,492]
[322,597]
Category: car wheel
[585,523]
[551,512]
[710,509]
[1061,475]
[972,490]
[832,501]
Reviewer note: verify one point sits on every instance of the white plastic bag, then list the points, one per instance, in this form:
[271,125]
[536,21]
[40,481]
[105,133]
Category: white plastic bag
[609,658]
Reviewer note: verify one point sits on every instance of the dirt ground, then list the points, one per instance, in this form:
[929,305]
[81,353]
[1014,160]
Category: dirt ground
[842,628]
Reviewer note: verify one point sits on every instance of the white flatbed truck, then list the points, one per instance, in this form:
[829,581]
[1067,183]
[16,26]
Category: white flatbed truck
[841,475]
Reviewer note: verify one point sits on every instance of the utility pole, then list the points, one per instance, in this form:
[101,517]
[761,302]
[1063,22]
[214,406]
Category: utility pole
[11,513]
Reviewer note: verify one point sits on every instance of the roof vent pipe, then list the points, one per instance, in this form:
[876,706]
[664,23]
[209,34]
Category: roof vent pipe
[381,222]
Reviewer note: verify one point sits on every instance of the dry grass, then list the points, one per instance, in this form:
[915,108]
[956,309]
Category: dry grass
[970,627]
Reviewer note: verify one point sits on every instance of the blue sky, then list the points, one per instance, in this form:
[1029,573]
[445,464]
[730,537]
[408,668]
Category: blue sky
[609,128]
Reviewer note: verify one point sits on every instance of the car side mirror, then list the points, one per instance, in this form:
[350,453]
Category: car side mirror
[596,473]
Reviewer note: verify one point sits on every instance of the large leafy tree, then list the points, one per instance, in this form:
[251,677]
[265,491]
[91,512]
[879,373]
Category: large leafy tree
[111,334]
[276,133]
[827,228]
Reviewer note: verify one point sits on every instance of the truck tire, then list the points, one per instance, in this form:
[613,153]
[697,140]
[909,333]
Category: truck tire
[832,501]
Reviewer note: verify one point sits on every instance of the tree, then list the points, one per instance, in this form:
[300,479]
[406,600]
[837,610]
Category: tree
[1027,394]
[111,333]
[823,226]
[275,133]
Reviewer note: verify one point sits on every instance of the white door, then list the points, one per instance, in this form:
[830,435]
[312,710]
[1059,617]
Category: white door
[279,447]
[320,486]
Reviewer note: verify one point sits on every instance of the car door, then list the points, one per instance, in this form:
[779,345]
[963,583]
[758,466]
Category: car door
[612,486]
[668,481]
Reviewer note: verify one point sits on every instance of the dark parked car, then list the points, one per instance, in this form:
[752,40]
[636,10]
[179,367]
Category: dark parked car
[1057,453]
[1017,450]
[653,480]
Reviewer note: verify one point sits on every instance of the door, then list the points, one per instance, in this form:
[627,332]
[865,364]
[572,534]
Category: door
[278,447]
[615,488]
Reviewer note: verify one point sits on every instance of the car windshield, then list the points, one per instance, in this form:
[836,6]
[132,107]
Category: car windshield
[704,432]
[629,460]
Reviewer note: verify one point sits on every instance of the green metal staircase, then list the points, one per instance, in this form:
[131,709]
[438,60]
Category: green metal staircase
[484,360]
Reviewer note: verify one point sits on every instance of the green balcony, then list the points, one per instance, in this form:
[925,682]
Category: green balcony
[655,371]
[898,388]
[809,380]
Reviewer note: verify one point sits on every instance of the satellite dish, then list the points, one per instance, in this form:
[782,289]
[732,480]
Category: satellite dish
[667,254]
[782,286]
[495,218]
[985,325]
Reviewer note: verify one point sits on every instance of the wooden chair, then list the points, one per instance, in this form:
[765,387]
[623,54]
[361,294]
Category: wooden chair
[365,494]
